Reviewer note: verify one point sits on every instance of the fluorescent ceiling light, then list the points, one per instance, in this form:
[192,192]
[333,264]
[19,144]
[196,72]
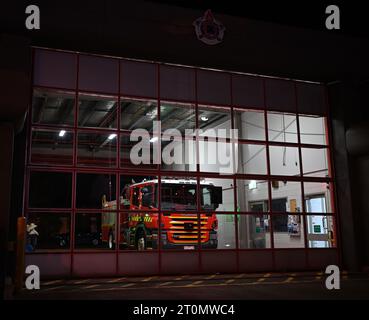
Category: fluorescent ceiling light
[112,136]
[252,185]
[61,133]
[203,118]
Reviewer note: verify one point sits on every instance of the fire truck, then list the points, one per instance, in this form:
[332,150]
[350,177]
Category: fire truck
[180,223]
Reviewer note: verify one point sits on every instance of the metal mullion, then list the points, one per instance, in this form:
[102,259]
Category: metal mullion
[198,182]
[117,212]
[158,106]
[269,177]
[74,174]
[235,166]
[302,189]
[333,193]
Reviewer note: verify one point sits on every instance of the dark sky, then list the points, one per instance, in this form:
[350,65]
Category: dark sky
[307,14]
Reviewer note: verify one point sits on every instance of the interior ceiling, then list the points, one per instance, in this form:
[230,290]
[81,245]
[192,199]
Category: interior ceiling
[100,113]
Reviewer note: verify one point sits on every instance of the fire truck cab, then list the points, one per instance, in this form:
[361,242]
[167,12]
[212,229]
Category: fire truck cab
[181,225]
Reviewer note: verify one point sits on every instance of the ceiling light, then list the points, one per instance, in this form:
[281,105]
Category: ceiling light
[252,185]
[154,139]
[112,136]
[61,133]
[204,118]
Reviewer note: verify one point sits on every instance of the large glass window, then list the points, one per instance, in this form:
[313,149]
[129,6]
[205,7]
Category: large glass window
[102,176]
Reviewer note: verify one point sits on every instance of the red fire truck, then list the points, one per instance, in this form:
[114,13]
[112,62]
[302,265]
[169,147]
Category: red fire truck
[179,218]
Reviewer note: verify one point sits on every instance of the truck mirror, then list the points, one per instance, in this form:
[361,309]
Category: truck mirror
[217,196]
[147,199]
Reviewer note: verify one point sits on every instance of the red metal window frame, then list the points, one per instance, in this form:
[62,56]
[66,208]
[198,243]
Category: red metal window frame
[118,169]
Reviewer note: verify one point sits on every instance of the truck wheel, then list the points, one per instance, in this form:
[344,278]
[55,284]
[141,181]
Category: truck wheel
[141,242]
[111,241]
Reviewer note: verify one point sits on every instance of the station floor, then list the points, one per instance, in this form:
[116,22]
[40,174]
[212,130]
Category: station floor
[261,286]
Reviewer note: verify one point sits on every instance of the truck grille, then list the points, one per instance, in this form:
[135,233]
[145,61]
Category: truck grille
[184,229]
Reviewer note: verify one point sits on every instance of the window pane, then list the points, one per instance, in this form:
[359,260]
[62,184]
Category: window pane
[138,114]
[252,196]
[97,149]
[180,231]
[97,112]
[214,118]
[139,231]
[94,189]
[311,98]
[247,91]
[138,79]
[55,69]
[220,232]
[286,196]
[217,157]
[280,95]
[288,231]
[177,116]
[284,161]
[315,162]
[53,107]
[313,130]
[177,83]
[178,153]
[321,232]
[139,152]
[138,192]
[253,231]
[179,194]
[282,127]
[52,147]
[98,74]
[48,231]
[250,124]
[252,159]
[95,230]
[217,194]
[213,87]
[318,197]
[50,190]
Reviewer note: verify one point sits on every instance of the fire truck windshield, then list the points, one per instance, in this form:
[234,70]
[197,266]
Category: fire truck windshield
[183,197]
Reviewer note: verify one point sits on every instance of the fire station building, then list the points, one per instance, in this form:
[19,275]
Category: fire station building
[291,195]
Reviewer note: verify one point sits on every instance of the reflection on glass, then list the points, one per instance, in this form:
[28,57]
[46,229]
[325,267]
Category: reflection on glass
[97,111]
[253,231]
[47,231]
[220,232]
[288,231]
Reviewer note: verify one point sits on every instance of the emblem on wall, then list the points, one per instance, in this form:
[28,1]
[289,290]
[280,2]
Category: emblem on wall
[209,30]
